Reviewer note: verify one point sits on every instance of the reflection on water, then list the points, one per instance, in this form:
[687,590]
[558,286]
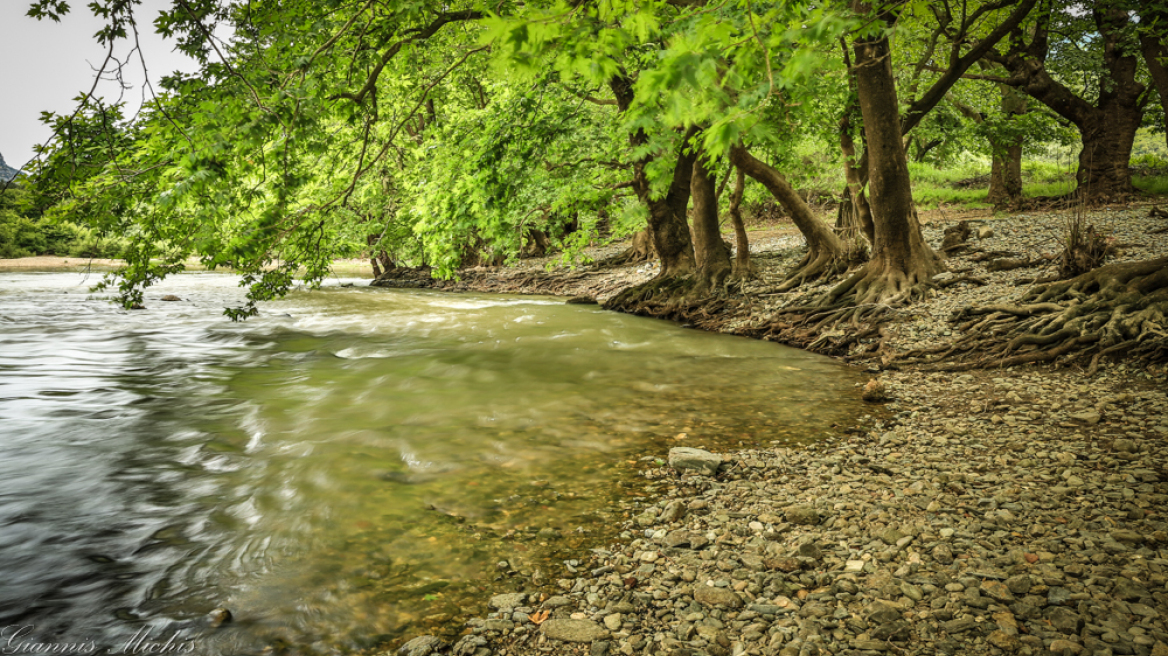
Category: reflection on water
[349,466]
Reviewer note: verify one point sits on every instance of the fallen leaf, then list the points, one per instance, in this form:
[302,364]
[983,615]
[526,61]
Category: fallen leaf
[538,617]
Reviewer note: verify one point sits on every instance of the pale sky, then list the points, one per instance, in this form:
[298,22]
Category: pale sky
[46,64]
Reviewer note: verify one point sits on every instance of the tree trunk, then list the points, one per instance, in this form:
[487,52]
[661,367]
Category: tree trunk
[1006,176]
[825,252]
[713,258]
[855,207]
[1108,137]
[1006,170]
[901,260]
[742,269]
[667,216]
[668,227]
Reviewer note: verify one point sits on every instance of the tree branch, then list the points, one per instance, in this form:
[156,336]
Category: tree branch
[959,65]
[419,34]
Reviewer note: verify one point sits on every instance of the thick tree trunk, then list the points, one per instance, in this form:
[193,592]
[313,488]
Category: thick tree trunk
[1006,176]
[1006,170]
[856,202]
[668,227]
[901,260]
[713,258]
[825,252]
[854,208]
[742,269]
[1108,137]
[667,217]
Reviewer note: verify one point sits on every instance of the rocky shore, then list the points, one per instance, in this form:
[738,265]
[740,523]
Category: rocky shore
[1016,511]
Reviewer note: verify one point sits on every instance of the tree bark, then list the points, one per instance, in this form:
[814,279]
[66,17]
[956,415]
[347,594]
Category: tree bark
[901,260]
[742,269]
[1006,170]
[713,258]
[1006,175]
[668,226]
[825,252]
[855,207]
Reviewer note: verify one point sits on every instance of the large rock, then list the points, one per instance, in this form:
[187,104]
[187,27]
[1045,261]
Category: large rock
[1064,620]
[684,457]
[421,646]
[711,596]
[573,630]
[673,512]
[805,515]
[509,600]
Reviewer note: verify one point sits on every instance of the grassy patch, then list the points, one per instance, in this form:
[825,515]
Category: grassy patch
[925,175]
[1057,188]
[930,197]
[1157,185]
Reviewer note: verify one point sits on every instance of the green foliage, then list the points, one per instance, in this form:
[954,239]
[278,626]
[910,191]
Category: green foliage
[446,133]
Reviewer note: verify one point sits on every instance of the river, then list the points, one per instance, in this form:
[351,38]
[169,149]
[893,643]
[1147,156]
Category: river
[352,466]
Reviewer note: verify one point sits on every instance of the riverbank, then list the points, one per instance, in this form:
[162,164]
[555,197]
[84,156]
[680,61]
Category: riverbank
[990,512]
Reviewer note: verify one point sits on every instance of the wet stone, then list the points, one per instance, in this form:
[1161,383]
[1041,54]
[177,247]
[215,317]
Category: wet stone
[960,625]
[997,591]
[421,646]
[1064,620]
[1018,584]
[711,596]
[882,613]
[508,600]
[573,630]
[688,458]
[802,515]
[943,554]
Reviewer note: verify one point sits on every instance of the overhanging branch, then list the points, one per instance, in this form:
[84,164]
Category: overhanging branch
[418,34]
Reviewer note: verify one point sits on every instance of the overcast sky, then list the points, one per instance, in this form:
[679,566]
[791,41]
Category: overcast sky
[44,65]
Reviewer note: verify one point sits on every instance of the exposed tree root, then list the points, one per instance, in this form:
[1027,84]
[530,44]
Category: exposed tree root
[676,298]
[641,250]
[1116,310]
[815,265]
[831,331]
[879,284]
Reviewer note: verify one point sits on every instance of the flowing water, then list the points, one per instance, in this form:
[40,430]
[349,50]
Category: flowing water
[349,467]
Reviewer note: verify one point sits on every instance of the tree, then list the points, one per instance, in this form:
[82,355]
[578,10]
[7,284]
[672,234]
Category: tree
[901,260]
[902,263]
[1108,111]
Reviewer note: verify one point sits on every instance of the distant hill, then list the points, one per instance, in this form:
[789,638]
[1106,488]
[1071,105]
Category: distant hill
[6,172]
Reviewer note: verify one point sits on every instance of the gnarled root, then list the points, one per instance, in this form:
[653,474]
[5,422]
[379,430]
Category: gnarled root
[1111,311]
[662,297]
[676,298]
[828,330]
[878,283]
[816,264]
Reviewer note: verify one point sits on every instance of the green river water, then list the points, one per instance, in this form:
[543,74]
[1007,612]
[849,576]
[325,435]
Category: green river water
[351,466]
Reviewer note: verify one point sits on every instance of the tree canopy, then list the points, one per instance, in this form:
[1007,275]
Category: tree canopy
[448,134]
